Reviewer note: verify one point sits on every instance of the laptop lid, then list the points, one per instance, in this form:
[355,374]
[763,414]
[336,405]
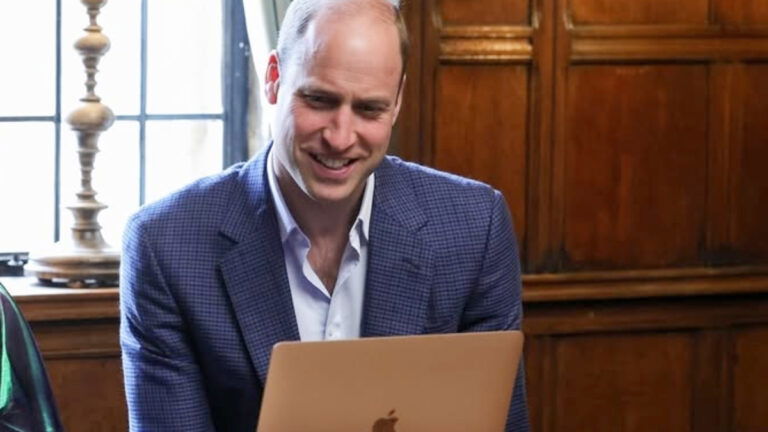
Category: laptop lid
[447,382]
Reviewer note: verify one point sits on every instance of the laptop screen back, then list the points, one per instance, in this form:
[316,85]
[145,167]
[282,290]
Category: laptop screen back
[448,382]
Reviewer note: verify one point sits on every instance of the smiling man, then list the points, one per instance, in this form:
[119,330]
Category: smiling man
[320,236]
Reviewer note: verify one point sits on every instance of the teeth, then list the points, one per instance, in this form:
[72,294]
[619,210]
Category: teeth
[332,163]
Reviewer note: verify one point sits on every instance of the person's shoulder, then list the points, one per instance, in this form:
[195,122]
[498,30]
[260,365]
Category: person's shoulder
[200,199]
[440,185]
[448,201]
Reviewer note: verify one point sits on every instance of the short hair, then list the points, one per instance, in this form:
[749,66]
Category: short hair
[300,14]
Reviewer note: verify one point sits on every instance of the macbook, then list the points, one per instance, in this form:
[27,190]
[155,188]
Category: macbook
[447,382]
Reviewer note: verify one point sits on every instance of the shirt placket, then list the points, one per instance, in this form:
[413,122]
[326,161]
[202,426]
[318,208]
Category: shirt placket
[340,300]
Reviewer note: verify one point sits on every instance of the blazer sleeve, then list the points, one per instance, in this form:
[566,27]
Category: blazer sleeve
[163,383]
[496,302]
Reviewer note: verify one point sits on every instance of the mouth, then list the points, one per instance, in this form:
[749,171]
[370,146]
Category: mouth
[332,163]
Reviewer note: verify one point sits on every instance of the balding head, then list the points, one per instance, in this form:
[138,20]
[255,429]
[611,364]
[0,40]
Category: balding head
[336,82]
[301,13]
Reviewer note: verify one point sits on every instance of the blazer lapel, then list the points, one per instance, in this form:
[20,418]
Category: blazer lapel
[254,270]
[399,263]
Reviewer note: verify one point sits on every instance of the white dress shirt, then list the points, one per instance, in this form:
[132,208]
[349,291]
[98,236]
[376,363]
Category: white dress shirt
[320,315]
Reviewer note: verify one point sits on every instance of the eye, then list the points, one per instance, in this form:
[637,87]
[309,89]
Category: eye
[318,100]
[370,110]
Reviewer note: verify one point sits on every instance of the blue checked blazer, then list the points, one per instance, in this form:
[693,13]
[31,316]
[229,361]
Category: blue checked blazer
[204,290]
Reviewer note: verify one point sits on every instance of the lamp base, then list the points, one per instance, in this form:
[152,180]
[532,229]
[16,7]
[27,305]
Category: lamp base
[75,268]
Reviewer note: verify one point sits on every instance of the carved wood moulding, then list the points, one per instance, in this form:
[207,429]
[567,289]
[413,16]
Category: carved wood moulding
[486,44]
[638,284]
[593,49]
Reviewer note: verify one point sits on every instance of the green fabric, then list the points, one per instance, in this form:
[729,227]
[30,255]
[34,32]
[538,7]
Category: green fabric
[6,383]
[26,401]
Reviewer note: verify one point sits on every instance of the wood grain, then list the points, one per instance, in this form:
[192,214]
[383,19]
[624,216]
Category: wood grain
[674,49]
[749,160]
[740,13]
[89,393]
[406,137]
[540,139]
[750,379]
[624,383]
[481,129]
[635,175]
[640,284]
[638,11]
[484,12]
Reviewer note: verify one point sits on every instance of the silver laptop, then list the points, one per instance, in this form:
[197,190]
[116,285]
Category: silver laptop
[449,382]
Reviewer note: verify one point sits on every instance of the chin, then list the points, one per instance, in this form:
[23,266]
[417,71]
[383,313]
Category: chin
[331,195]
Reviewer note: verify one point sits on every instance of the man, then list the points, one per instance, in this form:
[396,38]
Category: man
[321,236]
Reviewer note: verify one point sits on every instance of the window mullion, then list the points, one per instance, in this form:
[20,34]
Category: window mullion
[57,132]
[143,106]
[235,72]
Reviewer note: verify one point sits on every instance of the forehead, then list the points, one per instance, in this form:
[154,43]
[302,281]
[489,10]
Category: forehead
[352,45]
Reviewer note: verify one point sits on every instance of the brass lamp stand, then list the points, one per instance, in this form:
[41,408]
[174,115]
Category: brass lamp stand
[84,259]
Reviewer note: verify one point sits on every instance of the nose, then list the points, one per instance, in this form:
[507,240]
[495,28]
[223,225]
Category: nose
[340,132]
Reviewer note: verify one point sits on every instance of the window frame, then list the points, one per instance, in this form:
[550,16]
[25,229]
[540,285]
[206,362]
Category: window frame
[235,69]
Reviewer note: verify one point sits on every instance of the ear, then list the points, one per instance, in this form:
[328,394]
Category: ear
[399,101]
[272,78]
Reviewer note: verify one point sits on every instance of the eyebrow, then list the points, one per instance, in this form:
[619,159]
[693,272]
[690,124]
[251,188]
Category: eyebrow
[312,90]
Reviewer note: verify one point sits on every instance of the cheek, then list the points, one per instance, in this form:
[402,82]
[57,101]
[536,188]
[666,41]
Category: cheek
[282,121]
[377,136]
[308,122]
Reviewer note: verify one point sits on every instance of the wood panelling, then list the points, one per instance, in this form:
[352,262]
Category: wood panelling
[711,380]
[750,380]
[538,375]
[638,11]
[647,314]
[722,88]
[537,253]
[484,12]
[635,130]
[742,12]
[63,341]
[89,392]
[408,130]
[481,49]
[631,137]
[624,383]
[636,284]
[667,364]
[645,151]
[662,32]
[749,158]
[674,49]
[480,130]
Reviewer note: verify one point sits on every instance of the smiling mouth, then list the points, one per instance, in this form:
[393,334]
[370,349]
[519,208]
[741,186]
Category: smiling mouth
[332,163]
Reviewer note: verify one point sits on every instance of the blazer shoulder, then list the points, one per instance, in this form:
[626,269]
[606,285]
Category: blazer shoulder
[201,199]
[440,189]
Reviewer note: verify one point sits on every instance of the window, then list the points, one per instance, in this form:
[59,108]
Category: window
[176,77]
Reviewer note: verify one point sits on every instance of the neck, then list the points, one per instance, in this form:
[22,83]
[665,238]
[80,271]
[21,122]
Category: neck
[319,220]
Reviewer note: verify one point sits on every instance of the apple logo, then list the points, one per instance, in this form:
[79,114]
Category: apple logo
[385,424]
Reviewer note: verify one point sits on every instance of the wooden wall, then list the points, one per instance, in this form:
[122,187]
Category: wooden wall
[630,138]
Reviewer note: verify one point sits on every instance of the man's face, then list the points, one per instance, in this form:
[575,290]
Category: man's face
[337,99]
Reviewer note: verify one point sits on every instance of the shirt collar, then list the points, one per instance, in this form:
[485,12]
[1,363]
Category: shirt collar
[287,223]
